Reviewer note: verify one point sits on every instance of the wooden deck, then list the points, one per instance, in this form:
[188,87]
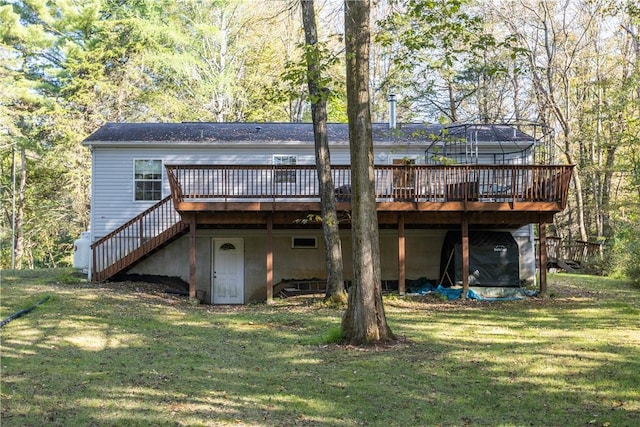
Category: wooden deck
[437,191]
[264,196]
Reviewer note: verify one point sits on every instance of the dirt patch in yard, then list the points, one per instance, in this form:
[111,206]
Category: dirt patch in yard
[171,283]
[174,290]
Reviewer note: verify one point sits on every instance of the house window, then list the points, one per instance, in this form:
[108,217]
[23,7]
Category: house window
[148,179]
[304,242]
[284,176]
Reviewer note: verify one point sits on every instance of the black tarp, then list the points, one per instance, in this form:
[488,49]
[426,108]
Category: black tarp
[493,254]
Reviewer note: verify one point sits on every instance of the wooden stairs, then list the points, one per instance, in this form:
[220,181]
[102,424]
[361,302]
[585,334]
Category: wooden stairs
[136,239]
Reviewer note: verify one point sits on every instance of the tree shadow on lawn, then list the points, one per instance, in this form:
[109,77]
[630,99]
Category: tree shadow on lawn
[126,359]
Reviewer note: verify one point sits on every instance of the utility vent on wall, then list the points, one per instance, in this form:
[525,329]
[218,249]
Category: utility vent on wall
[304,242]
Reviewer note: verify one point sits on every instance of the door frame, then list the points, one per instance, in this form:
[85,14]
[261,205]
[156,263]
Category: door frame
[214,242]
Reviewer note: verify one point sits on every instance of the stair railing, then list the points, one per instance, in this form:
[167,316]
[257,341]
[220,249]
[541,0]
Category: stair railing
[134,239]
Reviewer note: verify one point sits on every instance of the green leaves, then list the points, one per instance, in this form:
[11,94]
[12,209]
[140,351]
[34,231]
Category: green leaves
[440,52]
[324,74]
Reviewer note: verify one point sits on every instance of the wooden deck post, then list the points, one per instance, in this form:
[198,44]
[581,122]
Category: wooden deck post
[465,256]
[401,256]
[542,248]
[192,256]
[269,258]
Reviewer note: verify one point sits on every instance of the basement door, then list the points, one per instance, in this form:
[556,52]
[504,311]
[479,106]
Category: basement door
[227,283]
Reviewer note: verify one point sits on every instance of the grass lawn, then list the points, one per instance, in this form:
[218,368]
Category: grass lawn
[128,354]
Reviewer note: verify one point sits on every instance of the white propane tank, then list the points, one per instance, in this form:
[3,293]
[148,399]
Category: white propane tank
[82,251]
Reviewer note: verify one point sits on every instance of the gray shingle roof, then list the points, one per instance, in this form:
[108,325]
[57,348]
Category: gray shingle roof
[195,132]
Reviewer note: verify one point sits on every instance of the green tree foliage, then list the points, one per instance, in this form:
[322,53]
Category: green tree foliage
[290,87]
[582,84]
[621,136]
[70,66]
[35,126]
[572,66]
[442,57]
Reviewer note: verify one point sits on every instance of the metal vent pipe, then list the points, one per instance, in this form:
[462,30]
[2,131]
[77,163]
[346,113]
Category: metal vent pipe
[392,111]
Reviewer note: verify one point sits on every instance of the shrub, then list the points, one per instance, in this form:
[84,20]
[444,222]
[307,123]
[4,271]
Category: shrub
[625,252]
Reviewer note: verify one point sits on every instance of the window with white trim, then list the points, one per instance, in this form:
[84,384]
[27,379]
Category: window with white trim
[147,180]
[284,176]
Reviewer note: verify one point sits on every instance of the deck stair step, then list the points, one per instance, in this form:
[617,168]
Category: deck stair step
[136,239]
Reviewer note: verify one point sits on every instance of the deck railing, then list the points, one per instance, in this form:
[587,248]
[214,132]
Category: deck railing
[135,239]
[579,250]
[399,183]
[393,183]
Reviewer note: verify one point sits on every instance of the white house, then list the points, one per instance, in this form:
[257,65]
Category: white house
[216,204]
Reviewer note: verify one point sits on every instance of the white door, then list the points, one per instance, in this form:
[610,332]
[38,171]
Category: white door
[227,284]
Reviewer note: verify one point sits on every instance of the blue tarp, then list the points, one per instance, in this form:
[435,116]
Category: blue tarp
[424,287]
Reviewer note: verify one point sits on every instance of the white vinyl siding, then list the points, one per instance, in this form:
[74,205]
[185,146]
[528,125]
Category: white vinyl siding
[113,199]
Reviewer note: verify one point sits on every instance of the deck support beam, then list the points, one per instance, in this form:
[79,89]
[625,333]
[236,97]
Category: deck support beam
[269,260]
[465,255]
[542,256]
[192,256]
[401,256]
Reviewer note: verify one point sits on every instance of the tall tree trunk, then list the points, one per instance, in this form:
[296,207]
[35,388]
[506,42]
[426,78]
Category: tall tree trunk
[453,107]
[577,182]
[19,214]
[333,247]
[364,321]
[606,193]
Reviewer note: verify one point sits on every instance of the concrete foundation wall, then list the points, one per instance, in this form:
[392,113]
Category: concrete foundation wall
[422,250]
